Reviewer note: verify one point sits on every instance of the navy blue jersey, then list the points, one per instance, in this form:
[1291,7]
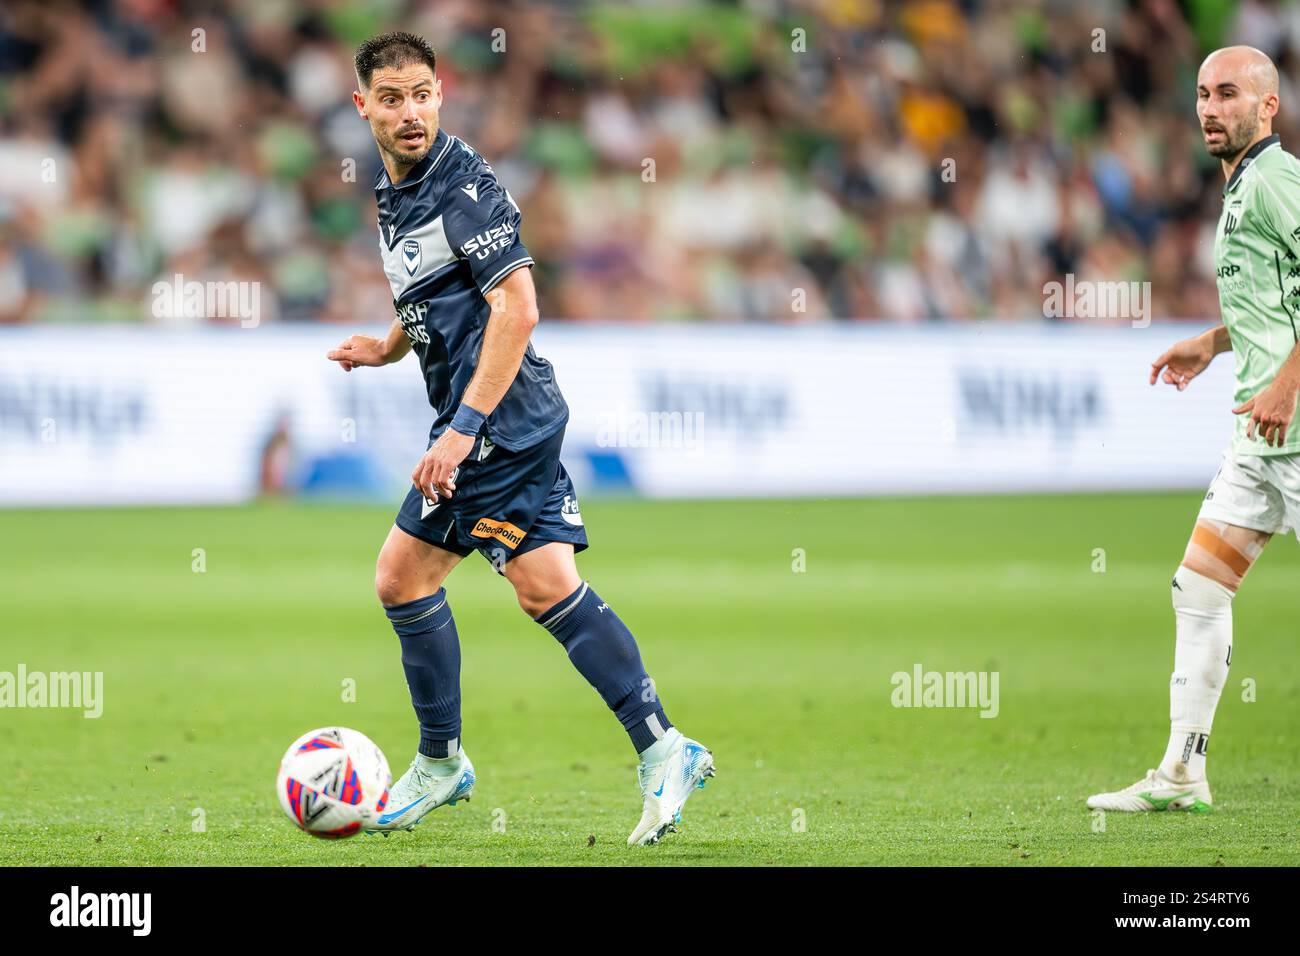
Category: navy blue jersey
[448,233]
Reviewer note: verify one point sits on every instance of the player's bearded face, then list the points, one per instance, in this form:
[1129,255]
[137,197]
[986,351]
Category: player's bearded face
[403,112]
[1229,123]
[1228,137]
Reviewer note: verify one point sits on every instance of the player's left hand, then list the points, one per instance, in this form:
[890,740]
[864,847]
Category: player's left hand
[433,475]
[1271,412]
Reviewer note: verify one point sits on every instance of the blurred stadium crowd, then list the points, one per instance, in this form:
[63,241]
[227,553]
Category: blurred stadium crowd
[915,160]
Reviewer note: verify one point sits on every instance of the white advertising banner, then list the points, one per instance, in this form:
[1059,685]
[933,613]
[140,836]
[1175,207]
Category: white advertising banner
[92,416]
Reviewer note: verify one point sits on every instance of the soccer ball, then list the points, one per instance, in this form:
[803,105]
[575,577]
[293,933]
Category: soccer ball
[333,782]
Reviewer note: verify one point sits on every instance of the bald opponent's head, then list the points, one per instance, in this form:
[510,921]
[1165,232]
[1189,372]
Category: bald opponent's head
[1236,100]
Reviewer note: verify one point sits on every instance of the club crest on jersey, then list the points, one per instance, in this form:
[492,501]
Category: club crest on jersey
[411,256]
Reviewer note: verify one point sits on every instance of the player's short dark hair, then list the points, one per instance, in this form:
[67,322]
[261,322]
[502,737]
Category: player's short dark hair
[398,48]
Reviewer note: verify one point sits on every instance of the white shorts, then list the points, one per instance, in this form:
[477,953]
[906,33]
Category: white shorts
[1255,491]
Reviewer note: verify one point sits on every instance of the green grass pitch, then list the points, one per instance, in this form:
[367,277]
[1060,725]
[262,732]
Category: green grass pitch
[784,674]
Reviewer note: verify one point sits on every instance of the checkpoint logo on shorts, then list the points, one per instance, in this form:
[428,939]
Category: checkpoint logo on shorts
[502,531]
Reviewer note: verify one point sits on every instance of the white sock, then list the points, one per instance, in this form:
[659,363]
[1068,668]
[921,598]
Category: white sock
[661,748]
[1203,614]
[440,766]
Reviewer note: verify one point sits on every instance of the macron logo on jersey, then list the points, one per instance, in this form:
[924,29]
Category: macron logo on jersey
[470,190]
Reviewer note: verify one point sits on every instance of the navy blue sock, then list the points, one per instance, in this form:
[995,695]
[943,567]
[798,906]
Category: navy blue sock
[604,651]
[431,659]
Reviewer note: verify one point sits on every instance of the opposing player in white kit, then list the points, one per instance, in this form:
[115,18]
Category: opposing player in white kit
[1256,492]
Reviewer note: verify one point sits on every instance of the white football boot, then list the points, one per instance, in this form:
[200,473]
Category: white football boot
[666,785]
[1155,791]
[420,790]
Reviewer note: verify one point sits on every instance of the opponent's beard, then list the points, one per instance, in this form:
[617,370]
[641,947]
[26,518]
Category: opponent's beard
[1237,138]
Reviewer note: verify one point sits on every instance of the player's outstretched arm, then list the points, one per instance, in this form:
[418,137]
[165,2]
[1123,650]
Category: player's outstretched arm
[358,350]
[1189,358]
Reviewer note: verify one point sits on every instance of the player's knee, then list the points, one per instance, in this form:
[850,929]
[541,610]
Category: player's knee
[543,578]
[1193,590]
[390,588]
[394,584]
[537,593]
[535,600]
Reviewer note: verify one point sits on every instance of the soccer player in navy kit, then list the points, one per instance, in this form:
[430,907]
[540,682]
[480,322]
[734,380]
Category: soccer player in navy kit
[491,480]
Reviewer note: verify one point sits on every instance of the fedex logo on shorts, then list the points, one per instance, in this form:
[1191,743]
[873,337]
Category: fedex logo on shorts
[503,531]
[485,243]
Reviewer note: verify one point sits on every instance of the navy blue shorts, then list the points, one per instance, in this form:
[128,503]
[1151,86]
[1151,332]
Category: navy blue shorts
[506,504]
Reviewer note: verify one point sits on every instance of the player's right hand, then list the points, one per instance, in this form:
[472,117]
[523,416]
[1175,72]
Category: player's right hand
[1183,362]
[357,350]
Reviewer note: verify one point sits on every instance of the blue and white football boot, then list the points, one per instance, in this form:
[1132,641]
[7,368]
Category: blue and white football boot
[426,785]
[666,785]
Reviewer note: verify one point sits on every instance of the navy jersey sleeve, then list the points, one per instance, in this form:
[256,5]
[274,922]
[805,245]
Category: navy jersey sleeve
[482,226]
